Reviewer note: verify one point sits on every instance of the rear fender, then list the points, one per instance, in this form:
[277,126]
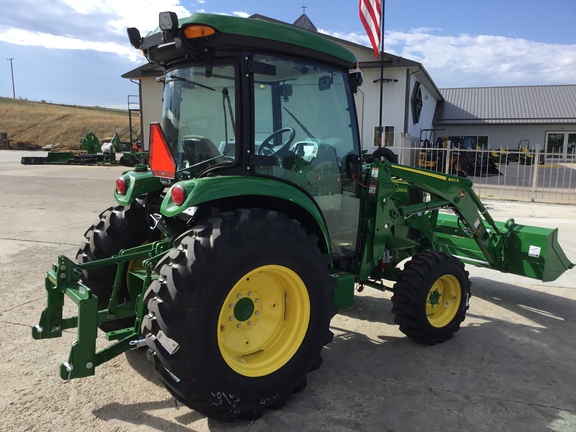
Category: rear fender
[202,190]
[140,181]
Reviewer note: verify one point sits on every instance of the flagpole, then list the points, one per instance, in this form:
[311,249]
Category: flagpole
[380,127]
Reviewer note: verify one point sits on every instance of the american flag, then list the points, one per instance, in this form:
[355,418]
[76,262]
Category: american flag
[370,17]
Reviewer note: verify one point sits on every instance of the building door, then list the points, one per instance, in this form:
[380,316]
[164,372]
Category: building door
[561,146]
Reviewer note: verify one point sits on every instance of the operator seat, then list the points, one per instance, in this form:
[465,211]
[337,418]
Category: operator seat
[196,149]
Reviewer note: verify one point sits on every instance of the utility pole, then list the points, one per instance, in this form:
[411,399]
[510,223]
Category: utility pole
[12,72]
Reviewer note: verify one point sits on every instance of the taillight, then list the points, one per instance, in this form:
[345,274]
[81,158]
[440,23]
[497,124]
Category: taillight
[178,194]
[121,186]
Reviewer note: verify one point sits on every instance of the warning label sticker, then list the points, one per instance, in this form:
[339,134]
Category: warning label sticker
[534,251]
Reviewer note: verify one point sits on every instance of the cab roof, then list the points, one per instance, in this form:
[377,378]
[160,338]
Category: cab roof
[252,34]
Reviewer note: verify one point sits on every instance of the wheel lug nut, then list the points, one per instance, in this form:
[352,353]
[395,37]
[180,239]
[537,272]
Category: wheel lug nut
[231,318]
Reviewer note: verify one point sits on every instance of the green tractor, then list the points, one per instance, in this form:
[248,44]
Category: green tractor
[227,256]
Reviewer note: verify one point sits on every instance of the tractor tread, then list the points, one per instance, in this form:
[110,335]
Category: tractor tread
[176,304]
[410,293]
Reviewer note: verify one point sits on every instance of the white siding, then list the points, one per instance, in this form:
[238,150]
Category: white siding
[151,93]
[368,104]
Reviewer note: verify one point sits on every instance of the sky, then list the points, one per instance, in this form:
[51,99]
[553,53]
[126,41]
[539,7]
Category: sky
[75,51]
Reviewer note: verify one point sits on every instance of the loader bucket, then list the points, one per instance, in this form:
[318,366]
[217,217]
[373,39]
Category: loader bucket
[528,251]
[59,157]
[534,252]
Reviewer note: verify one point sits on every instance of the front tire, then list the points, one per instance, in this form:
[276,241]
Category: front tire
[431,297]
[239,313]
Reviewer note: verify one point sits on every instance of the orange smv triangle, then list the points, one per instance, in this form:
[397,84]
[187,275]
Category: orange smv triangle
[161,160]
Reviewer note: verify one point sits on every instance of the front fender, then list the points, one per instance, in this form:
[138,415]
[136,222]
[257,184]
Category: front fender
[206,189]
[139,182]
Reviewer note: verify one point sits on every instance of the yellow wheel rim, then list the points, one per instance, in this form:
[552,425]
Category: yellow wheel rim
[263,320]
[443,301]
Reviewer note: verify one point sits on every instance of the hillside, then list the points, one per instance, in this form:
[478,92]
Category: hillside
[43,123]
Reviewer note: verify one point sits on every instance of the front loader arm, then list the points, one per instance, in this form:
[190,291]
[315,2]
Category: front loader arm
[408,210]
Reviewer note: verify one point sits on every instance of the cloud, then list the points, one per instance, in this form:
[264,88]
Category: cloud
[45,40]
[487,60]
[241,14]
[98,25]
[479,60]
[462,60]
[120,15]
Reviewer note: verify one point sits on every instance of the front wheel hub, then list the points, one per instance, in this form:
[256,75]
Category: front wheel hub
[443,301]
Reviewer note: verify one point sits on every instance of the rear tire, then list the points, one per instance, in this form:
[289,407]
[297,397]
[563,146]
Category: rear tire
[431,297]
[117,228]
[239,313]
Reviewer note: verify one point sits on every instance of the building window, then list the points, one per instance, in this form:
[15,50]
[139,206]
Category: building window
[387,137]
[416,102]
[561,145]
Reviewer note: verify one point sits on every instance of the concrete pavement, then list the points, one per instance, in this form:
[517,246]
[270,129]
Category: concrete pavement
[510,367]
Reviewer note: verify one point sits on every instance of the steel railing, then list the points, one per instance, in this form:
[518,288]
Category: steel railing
[524,175]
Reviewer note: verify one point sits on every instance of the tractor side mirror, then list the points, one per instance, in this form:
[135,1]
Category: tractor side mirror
[134,37]
[352,166]
[356,79]
[324,82]
[286,91]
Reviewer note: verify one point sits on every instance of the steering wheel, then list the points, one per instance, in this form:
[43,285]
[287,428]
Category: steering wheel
[268,149]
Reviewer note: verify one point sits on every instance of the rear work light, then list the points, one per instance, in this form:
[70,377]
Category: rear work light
[121,186]
[199,31]
[178,194]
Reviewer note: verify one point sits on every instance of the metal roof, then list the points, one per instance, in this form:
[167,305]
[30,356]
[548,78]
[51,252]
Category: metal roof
[507,105]
[305,23]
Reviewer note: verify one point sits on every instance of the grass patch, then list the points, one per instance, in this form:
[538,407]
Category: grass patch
[44,123]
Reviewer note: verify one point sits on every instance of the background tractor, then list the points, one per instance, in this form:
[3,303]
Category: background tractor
[227,256]
[461,156]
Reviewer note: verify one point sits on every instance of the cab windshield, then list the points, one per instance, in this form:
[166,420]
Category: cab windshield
[305,134]
[198,117]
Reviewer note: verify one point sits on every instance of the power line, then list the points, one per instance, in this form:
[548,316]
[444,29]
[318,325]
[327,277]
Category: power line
[12,72]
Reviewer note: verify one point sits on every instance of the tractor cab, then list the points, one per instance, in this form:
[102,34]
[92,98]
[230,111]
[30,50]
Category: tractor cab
[234,110]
